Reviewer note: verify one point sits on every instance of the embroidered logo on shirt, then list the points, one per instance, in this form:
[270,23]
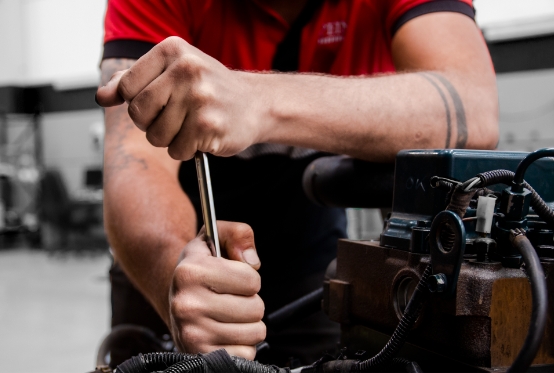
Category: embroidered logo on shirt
[332,32]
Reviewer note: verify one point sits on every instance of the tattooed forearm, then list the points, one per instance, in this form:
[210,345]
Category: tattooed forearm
[118,126]
[461,123]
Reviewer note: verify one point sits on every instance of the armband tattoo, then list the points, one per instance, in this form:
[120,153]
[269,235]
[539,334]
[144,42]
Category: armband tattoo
[444,87]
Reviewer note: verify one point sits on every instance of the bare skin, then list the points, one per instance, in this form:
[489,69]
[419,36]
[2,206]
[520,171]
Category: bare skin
[186,101]
[151,226]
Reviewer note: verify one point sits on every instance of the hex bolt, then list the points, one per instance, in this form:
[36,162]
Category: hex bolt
[437,283]
[484,246]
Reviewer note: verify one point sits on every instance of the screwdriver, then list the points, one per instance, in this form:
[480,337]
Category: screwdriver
[207,201]
[208,212]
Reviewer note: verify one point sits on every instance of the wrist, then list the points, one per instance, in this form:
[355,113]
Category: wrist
[263,99]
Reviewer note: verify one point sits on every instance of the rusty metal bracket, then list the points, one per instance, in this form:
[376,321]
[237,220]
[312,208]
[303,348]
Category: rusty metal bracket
[447,240]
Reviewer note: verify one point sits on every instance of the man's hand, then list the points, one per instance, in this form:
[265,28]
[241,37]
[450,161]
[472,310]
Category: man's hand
[187,101]
[214,301]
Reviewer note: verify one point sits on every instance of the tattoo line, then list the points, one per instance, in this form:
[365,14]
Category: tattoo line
[446,108]
[461,125]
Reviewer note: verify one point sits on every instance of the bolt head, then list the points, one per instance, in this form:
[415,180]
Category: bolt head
[437,283]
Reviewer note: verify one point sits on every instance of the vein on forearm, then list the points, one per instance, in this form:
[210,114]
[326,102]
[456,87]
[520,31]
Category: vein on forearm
[461,122]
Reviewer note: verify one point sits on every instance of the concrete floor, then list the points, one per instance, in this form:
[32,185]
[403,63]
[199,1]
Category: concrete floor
[54,310]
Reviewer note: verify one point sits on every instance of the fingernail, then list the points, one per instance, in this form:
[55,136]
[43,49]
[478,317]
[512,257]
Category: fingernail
[250,256]
[96,98]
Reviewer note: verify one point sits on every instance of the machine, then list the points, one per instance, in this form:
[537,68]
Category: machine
[461,279]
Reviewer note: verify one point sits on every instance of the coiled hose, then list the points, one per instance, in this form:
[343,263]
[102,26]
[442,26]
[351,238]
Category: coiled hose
[155,361]
[400,334]
[507,177]
[175,362]
[194,365]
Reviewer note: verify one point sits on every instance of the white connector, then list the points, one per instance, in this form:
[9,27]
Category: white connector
[485,213]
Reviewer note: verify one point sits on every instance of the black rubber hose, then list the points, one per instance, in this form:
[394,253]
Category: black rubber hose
[174,362]
[196,365]
[539,314]
[155,361]
[400,334]
[295,311]
[506,177]
[526,162]
[341,181]
[248,366]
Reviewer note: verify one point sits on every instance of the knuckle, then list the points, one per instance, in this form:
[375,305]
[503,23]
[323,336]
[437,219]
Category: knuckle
[186,307]
[135,114]
[248,353]
[259,307]
[261,331]
[207,125]
[171,46]
[242,231]
[202,93]
[253,282]
[124,88]
[189,273]
[176,152]
[156,137]
[192,337]
[188,66]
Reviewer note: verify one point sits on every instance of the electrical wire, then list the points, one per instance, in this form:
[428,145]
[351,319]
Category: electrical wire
[539,314]
[525,163]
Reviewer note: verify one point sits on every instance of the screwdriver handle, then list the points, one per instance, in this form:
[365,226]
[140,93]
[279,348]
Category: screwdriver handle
[207,201]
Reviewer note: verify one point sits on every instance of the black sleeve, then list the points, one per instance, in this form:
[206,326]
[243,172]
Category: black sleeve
[126,48]
[432,7]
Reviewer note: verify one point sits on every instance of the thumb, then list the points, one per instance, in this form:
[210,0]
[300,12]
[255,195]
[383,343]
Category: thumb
[237,240]
[108,95]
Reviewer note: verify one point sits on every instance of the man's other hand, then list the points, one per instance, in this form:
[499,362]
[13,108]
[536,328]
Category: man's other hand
[187,101]
[214,302]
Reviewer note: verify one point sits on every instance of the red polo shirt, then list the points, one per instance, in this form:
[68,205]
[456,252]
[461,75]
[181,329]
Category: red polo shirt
[344,37]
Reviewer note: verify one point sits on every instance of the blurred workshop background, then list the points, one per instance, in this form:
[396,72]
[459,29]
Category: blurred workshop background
[54,258]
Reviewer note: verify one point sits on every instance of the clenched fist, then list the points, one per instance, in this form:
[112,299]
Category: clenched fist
[187,101]
[214,302]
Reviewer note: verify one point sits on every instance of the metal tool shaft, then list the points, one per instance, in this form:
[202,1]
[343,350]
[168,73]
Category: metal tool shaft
[207,200]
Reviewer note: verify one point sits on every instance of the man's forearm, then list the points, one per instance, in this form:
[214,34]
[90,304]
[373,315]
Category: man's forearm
[148,218]
[374,118]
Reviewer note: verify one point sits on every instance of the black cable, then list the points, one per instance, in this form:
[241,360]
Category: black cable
[175,362]
[295,311]
[195,365]
[154,361]
[539,314]
[543,210]
[525,163]
[400,334]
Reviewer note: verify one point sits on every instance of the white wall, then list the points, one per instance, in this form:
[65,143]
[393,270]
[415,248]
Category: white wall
[490,12]
[526,110]
[61,40]
[51,41]
[12,67]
